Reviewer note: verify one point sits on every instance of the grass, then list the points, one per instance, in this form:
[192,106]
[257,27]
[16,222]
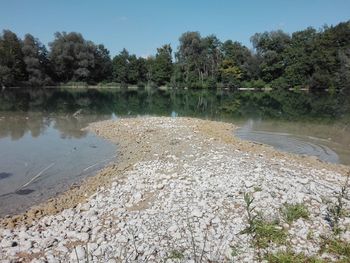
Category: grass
[292,212]
[257,189]
[267,232]
[176,255]
[336,247]
[291,257]
[310,235]
[263,232]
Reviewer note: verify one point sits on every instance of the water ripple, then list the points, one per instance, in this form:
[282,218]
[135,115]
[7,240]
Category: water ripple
[289,143]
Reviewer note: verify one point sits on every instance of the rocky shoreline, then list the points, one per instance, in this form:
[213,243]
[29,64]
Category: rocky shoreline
[177,195]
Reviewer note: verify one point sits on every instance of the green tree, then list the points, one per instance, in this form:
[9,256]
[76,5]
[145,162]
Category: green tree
[103,68]
[231,74]
[129,69]
[162,66]
[299,66]
[12,66]
[243,58]
[189,57]
[326,58]
[343,75]
[199,59]
[270,47]
[36,61]
[211,57]
[120,67]
[74,58]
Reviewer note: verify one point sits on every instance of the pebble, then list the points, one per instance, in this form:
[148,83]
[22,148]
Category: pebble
[197,213]
[195,193]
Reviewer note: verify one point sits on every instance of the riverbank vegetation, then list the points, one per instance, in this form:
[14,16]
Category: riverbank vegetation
[310,59]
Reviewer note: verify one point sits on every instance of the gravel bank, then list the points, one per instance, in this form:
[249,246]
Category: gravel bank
[176,195]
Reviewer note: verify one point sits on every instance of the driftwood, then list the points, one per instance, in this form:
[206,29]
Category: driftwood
[36,176]
[87,168]
[52,164]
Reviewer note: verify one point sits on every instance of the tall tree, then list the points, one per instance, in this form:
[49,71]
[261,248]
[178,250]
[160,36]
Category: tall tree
[162,66]
[189,56]
[270,47]
[35,58]
[72,57]
[103,68]
[326,58]
[12,66]
[129,69]
[211,57]
[343,75]
[299,65]
[238,55]
[198,59]
[121,67]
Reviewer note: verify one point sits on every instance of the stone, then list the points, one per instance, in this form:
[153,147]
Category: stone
[6,232]
[62,249]
[78,253]
[197,213]
[97,252]
[137,197]
[92,246]
[216,220]
[248,184]
[26,245]
[173,228]
[204,201]
[83,237]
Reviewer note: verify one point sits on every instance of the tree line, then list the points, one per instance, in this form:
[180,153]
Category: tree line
[312,59]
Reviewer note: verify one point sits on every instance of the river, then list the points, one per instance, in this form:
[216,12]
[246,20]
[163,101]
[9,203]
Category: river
[44,148]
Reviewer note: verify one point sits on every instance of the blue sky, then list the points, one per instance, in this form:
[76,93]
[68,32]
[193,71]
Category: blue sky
[143,25]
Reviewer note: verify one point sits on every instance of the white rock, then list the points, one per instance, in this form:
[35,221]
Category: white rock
[248,184]
[197,213]
[26,245]
[97,252]
[83,237]
[78,253]
[92,246]
[137,197]
[173,228]
[216,220]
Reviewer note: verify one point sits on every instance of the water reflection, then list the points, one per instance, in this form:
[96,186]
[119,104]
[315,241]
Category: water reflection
[17,124]
[33,110]
[43,153]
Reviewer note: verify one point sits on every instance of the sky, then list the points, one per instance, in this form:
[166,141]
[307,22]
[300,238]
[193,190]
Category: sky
[141,26]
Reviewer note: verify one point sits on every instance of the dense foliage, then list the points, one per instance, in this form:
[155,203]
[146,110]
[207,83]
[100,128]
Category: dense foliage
[307,59]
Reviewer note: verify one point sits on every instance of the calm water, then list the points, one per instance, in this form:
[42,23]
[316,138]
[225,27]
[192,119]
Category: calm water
[43,154]
[43,149]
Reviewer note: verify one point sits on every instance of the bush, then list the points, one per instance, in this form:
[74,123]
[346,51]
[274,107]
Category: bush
[75,84]
[109,84]
[280,84]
